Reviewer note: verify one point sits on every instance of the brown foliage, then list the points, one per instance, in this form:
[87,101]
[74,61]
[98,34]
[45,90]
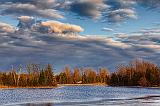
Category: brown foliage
[136,73]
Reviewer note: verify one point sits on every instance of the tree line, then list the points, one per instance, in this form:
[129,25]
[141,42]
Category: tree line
[136,73]
[34,77]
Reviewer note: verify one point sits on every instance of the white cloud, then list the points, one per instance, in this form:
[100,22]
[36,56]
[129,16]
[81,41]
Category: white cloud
[58,27]
[107,29]
[25,18]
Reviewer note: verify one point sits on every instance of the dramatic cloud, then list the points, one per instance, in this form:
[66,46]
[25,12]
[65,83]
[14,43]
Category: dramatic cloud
[24,47]
[39,41]
[108,10]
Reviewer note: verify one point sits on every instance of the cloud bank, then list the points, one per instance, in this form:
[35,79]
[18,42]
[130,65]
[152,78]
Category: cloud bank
[29,46]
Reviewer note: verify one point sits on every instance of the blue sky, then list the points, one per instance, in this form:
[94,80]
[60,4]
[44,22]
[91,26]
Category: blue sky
[106,30]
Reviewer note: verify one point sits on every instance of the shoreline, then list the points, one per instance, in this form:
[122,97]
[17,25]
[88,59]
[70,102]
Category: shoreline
[93,84]
[62,85]
[51,87]
[38,87]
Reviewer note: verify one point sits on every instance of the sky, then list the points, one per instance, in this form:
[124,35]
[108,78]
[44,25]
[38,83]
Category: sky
[78,33]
